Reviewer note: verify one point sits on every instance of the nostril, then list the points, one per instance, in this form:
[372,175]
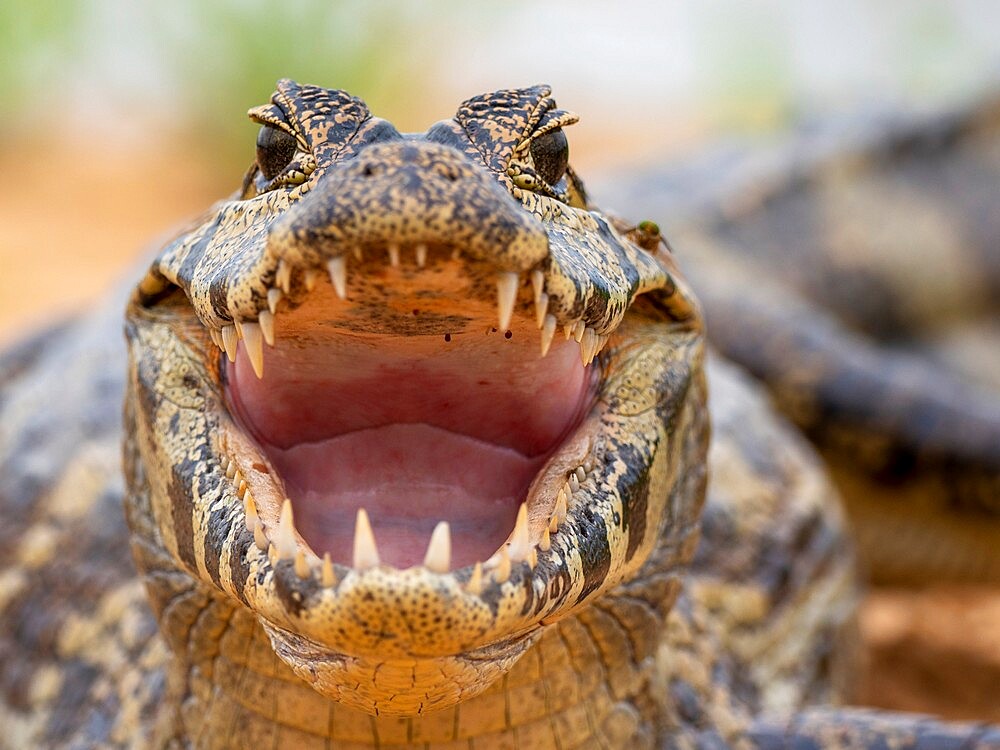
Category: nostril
[368,170]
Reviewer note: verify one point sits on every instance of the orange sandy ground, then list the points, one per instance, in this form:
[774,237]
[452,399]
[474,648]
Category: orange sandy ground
[73,221]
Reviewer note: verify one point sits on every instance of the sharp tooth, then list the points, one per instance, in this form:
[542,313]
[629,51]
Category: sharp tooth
[365,551]
[456,253]
[546,541]
[272,555]
[242,488]
[548,331]
[421,251]
[253,343]
[229,341]
[266,318]
[309,277]
[239,329]
[588,465]
[338,275]
[502,572]
[231,470]
[602,341]
[259,537]
[580,474]
[237,478]
[553,524]
[520,544]
[301,566]
[507,283]
[532,558]
[541,308]
[537,283]
[283,276]
[393,254]
[578,328]
[327,579]
[438,557]
[357,252]
[574,483]
[250,511]
[273,298]
[475,584]
[285,543]
[588,346]
[562,500]
[568,329]
[216,337]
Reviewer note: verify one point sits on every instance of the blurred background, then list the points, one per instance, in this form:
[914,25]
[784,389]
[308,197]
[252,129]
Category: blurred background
[122,117]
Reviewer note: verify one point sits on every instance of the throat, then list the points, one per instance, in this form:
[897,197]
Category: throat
[246,694]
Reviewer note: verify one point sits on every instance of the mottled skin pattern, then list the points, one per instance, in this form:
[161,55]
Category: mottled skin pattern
[881,338]
[620,635]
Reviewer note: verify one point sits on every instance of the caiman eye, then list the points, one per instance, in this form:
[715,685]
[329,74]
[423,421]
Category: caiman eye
[550,153]
[275,149]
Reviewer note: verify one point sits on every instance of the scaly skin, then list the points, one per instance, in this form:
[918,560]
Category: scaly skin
[598,634]
[872,315]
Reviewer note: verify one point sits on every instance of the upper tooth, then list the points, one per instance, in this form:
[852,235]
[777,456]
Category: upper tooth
[421,251]
[309,277]
[266,318]
[438,557]
[588,346]
[365,551]
[548,331]
[229,341]
[285,543]
[537,283]
[273,298]
[507,283]
[580,473]
[546,540]
[253,343]
[578,328]
[393,254]
[520,544]
[283,276]
[541,308]
[338,275]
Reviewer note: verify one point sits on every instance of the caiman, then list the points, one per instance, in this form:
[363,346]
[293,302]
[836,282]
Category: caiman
[416,448]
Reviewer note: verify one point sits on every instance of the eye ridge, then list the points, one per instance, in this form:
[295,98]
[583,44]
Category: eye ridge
[275,149]
[550,154]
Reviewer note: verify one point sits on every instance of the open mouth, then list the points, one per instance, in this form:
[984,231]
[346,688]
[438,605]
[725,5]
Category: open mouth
[413,405]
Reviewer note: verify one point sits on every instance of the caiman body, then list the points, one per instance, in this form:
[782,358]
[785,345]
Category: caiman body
[372,313]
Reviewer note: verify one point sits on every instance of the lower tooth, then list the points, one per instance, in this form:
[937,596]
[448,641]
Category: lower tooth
[301,566]
[502,572]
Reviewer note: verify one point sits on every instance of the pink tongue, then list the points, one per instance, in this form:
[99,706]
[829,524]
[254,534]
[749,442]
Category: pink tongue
[408,477]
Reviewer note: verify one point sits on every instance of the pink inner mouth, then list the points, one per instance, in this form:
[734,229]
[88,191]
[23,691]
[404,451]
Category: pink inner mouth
[414,429]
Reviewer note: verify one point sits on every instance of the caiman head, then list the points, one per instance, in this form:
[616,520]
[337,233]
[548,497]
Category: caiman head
[410,398]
